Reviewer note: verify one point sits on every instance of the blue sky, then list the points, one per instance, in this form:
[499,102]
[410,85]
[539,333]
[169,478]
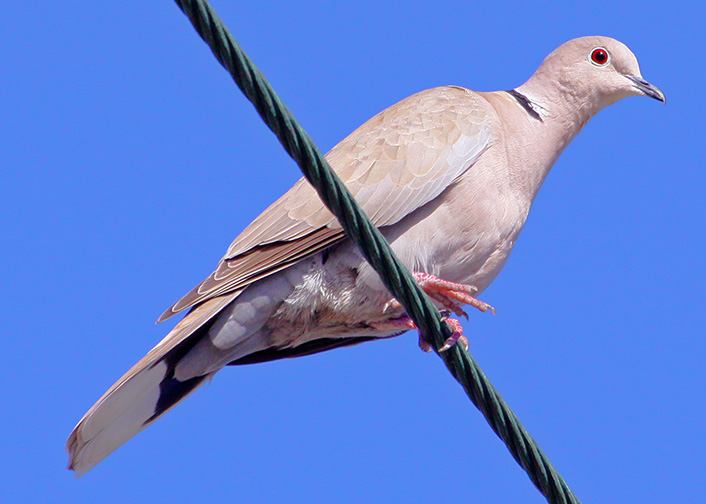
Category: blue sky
[130,161]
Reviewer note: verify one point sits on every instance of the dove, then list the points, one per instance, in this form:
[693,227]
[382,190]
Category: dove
[448,175]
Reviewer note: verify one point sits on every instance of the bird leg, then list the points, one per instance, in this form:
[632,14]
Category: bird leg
[450,295]
[404,322]
[456,335]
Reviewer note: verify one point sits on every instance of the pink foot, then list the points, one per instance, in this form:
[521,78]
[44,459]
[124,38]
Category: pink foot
[404,323]
[450,295]
[456,336]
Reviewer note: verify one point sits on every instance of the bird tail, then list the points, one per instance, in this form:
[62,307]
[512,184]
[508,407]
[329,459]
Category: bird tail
[147,391]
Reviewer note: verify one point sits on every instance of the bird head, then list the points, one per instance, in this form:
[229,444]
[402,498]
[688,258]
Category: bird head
[589,73]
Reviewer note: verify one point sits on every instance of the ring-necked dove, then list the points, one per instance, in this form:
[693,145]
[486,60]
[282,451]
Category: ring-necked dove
[448,175]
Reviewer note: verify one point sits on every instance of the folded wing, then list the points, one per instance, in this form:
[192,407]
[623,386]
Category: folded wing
[393,164]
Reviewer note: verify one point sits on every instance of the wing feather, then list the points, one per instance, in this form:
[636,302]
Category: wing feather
[393,164]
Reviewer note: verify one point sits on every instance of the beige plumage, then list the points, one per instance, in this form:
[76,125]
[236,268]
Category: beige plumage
[448,174]
[393,164]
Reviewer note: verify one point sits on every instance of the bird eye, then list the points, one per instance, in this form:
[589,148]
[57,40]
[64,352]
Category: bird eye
[599,56]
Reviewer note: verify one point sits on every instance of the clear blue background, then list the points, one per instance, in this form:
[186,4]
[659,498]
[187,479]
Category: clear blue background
[129,161]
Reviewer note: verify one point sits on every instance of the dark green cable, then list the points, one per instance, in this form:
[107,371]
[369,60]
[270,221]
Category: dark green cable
[376,250]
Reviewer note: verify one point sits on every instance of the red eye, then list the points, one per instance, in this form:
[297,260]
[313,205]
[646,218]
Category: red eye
[599,56]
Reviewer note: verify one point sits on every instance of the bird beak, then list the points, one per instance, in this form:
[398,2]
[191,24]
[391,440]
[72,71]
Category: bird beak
[647,89]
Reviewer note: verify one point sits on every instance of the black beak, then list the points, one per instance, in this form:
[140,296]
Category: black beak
[648,89]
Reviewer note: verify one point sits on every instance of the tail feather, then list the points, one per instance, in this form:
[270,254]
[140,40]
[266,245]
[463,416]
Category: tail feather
[116,419]
[143,394]
[171,391]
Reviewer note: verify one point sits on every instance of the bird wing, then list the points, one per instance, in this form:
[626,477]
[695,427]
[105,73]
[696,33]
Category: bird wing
[396,162]
[393,164]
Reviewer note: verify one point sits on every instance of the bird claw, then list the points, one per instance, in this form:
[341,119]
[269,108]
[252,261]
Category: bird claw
[450,295]
[403,323]
[391,305]
[456,337]
[424,344]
